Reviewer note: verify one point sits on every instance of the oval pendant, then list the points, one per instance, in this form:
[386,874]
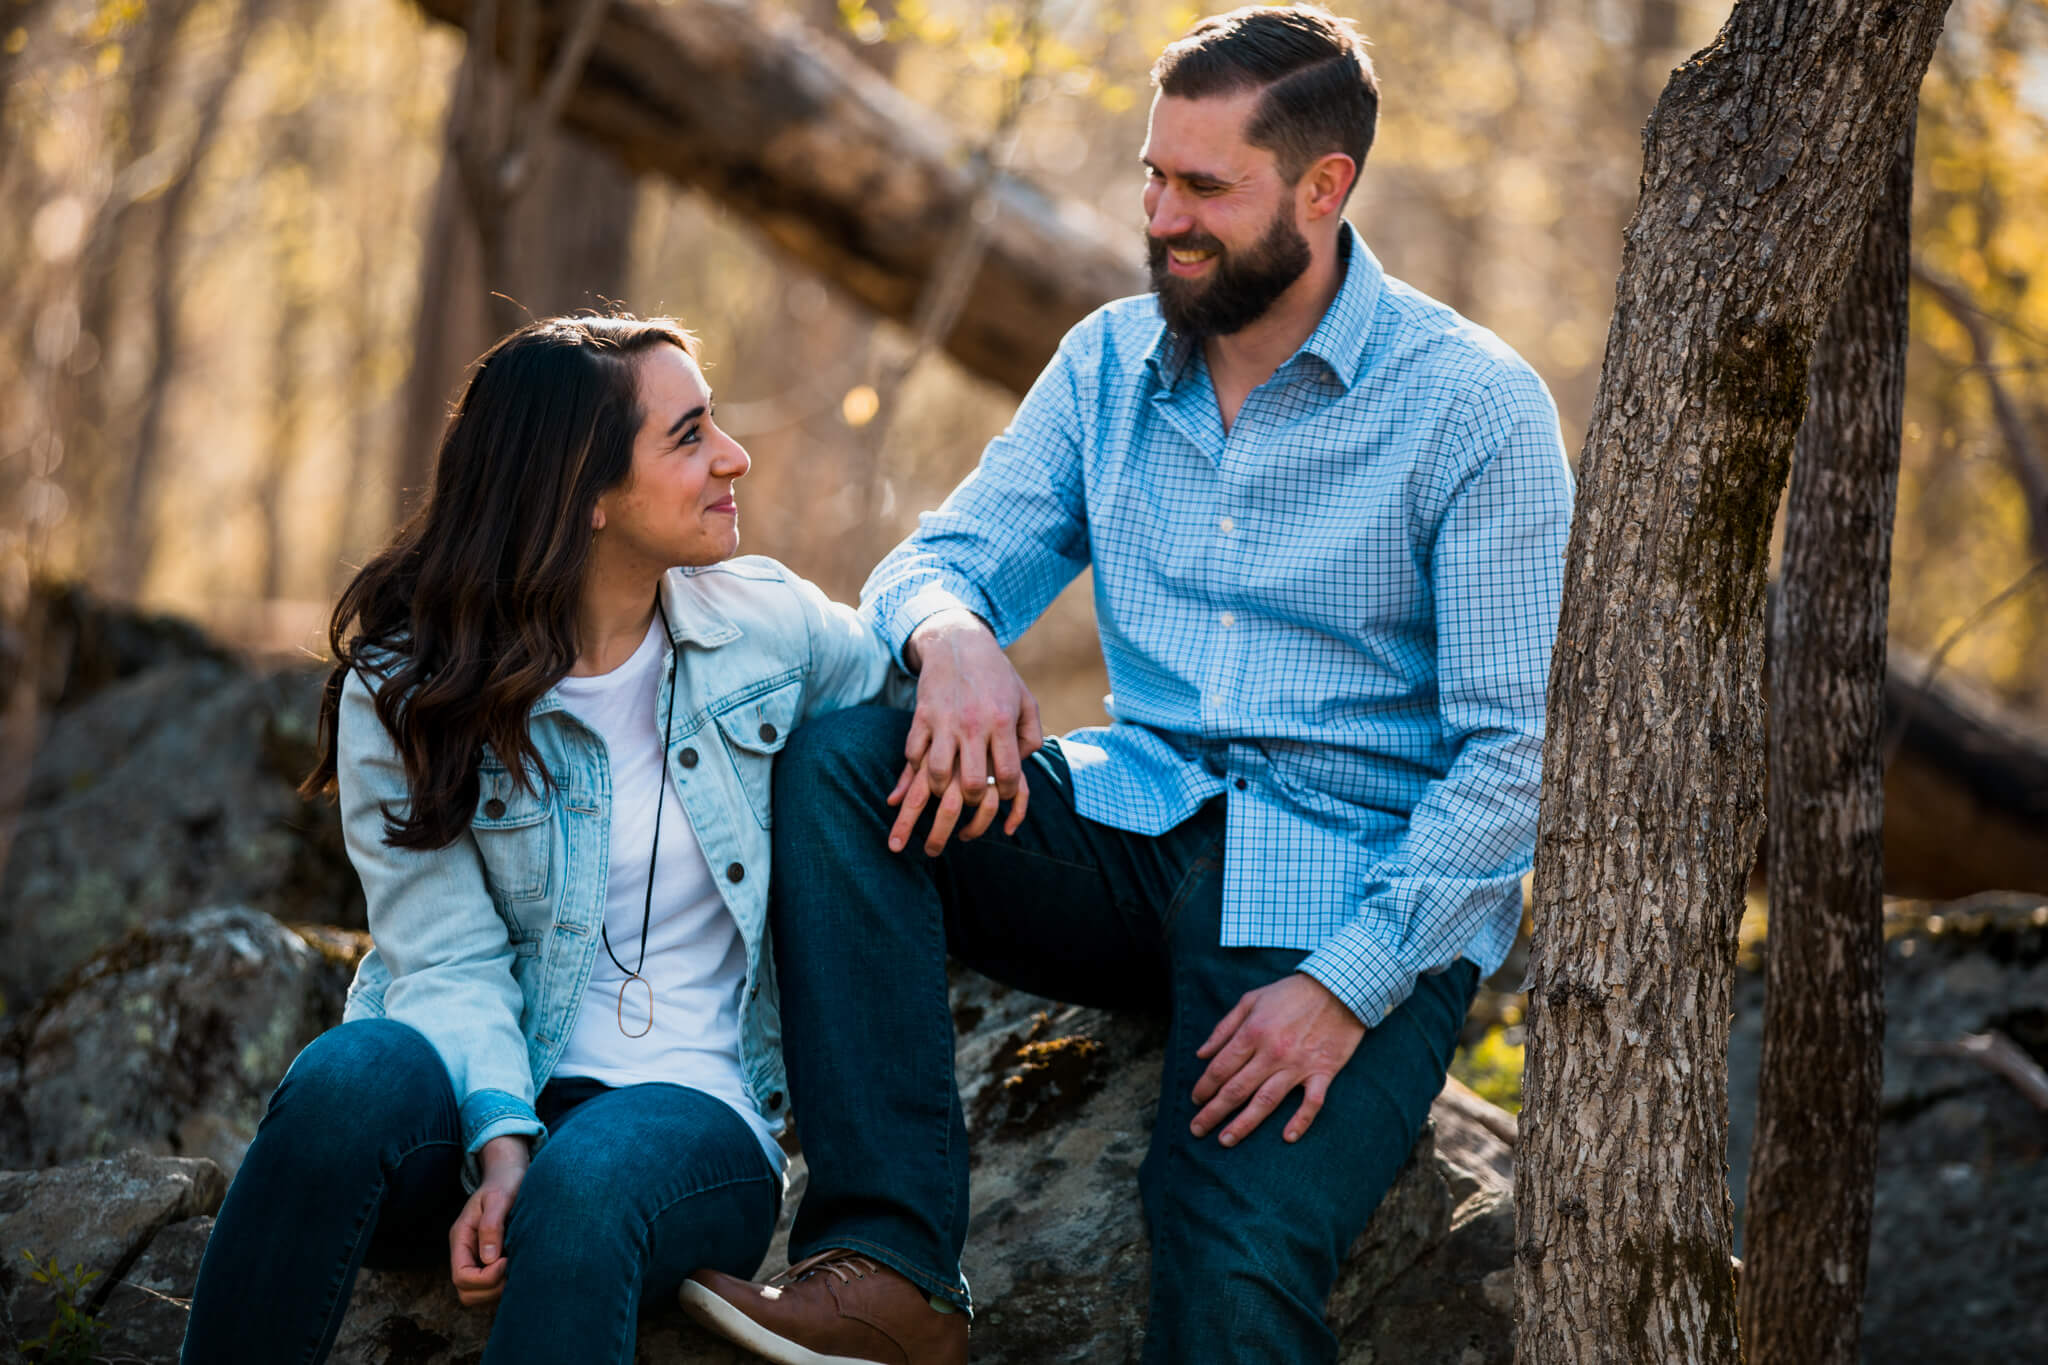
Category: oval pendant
[644,1028]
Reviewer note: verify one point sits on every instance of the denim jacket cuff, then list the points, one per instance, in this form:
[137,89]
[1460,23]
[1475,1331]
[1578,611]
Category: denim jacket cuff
[488,1114]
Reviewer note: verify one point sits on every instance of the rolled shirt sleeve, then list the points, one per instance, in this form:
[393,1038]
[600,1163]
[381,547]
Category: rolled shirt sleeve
[1012,535]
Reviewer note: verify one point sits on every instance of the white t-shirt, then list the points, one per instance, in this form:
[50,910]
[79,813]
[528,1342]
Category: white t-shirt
[696,963]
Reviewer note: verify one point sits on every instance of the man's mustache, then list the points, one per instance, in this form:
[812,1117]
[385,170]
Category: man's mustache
[1186,241]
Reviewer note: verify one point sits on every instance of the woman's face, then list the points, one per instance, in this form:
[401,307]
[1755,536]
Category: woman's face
[676,504]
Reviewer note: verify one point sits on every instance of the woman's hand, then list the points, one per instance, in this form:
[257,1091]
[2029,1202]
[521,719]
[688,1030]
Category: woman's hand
[476,1244]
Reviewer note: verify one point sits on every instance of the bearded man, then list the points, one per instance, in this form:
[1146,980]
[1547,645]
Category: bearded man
[1327,519]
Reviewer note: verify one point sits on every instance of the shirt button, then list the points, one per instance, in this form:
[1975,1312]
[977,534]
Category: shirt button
[735,872]
[688,758]
[494,808]
[1239,784]
[1227,620]
[767,731]
[1226,525]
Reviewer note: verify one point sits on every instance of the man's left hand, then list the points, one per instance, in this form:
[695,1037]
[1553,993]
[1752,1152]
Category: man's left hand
[1291,1033]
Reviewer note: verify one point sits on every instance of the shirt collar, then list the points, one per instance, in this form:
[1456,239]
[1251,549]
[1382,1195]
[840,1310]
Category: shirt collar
[1339,340]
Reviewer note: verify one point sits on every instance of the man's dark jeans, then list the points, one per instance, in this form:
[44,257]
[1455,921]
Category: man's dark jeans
[1246,1241]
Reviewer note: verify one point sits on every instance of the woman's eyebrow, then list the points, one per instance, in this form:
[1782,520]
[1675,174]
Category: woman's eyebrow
[692,415]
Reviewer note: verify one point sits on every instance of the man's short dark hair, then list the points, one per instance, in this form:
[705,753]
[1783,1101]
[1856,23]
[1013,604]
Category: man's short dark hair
[1320,94]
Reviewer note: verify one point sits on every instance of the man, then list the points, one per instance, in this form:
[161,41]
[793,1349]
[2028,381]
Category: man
[1327,518]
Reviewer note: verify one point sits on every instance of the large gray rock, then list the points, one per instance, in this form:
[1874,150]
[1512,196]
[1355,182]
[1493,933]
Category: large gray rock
[100,1215]
[1060,1101]
[167,789]
[1959,1234]
[171,1041]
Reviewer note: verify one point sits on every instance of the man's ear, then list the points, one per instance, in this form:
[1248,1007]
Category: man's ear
[1325,183]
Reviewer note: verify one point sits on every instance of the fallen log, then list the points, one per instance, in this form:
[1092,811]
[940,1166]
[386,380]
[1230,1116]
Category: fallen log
[837,168]
[1966,793]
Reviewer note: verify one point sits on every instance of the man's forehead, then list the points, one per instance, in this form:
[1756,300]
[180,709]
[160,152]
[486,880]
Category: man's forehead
[1204,135]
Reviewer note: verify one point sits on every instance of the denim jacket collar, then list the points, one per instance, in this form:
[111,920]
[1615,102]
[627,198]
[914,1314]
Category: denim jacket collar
[692,620]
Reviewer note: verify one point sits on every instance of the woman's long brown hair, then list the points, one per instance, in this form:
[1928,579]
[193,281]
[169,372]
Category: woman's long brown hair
[468,617]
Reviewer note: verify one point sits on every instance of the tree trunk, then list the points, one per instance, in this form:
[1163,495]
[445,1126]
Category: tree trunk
[566,248]
[837,168]
[89,412]
[1761,163]
[1806,1238]
[134,530]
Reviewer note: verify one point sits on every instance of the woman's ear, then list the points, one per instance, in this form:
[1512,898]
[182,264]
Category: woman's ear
[596,520]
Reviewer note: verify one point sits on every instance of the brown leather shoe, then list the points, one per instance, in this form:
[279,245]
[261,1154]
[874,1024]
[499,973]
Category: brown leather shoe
[834,1308]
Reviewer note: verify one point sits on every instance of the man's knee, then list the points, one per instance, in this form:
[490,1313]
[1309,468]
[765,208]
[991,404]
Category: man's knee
[856,752]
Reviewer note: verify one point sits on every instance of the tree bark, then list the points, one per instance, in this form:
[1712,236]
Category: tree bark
[1761,163]
[837,168]
[1806,1238]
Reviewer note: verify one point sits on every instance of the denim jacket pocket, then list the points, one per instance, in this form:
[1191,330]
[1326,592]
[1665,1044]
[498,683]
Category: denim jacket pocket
[515,835]
[755,729]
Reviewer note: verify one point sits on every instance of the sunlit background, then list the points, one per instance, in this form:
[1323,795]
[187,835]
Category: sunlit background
[220,237]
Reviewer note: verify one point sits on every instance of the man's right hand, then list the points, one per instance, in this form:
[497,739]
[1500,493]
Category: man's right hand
[975,724]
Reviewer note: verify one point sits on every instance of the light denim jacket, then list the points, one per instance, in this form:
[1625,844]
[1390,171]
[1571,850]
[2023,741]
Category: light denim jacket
[485,946]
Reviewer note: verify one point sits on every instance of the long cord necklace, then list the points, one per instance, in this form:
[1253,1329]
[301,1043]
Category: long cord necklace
[647,904]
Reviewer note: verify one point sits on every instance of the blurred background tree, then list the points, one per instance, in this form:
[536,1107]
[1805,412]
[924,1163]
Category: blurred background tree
[240,288]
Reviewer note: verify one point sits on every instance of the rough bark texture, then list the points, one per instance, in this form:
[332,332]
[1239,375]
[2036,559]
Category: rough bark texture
[1761,163]
[1807,1234]
[837,168]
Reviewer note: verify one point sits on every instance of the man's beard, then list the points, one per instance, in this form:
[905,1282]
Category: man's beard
[1239,290]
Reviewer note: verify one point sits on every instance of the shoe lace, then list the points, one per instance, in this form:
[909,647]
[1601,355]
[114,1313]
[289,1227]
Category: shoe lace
[841,1265]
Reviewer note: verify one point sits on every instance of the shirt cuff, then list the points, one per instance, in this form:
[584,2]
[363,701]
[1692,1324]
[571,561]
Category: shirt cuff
[1370,977]
[488,1114]
[920,607]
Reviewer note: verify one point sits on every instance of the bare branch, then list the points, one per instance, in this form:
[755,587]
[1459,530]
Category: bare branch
[575,50]
[1948,643]
[2026,461]
[1999,1055]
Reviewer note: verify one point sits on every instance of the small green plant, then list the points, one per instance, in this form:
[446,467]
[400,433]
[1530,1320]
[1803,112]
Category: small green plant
[74,1337]
[1493,1067]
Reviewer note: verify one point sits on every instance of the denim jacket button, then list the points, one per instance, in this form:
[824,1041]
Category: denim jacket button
[755,993]
[688,758]
[767,732]
[775,1100]
[735,872]
[494,808]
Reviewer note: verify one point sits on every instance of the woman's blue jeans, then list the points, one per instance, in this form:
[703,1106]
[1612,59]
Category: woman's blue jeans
[1246,1241]
[358,1162]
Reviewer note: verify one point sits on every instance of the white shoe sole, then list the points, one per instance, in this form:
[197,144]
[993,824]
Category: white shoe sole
[729,1322]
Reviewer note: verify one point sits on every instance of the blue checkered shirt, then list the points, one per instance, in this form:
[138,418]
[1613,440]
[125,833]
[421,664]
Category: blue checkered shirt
[1338,614]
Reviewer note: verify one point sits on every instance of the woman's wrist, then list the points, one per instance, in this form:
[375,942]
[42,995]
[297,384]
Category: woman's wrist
[504,1155]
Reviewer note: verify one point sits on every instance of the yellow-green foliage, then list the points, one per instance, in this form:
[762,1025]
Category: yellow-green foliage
[1493,1067]
[74,1336]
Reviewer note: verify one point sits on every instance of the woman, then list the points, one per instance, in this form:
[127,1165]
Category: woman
[552,750]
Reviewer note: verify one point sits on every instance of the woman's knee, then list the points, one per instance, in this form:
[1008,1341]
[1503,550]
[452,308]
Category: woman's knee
[363,1078]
